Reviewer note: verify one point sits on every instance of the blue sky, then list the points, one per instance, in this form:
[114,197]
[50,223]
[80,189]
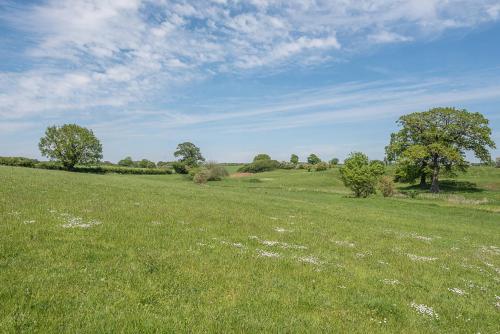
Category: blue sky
[239,78]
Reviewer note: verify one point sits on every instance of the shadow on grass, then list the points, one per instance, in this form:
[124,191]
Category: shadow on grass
[452,186]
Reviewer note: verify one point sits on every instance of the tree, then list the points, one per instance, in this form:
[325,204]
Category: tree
[313,159]
[361,175]
[434,141]
[71,144]
[498,162]
[189,154]
[145,163]
[294,159]
[126,162]
[261,156]
[334,162]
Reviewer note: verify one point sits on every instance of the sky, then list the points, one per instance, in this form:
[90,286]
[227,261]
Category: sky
[238,78]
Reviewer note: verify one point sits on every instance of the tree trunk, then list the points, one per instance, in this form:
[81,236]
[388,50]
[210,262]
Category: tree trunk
[435,180]
[423,182]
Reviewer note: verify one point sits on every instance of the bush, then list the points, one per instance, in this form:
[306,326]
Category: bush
[322,166]
[216,172]
[498,163]
[49,165]
[386,186]
[361,175]
[201,176]
[132,170]
[180,167]
[334,162]
[286,165]
[260,166]
[18,161]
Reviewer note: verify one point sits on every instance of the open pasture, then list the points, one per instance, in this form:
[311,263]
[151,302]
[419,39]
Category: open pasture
[283,251]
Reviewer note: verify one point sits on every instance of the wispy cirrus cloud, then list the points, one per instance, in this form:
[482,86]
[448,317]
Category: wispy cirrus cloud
[89,54]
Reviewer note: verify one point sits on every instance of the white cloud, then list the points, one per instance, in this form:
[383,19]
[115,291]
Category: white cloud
[114,53]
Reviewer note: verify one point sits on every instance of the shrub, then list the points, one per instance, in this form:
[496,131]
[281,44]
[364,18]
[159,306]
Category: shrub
[386,186]
[216,172]
[334,162]
[286,165]
[49,165]
[260,166]
[361,175]
[498,162]
[18,161]
[322,166]
[132,170]
[180,167]
[201,176]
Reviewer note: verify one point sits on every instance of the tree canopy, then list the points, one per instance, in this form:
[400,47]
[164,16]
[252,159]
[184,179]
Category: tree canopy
[294,159]
[189,154]
[261,156]
[313,159]
[360,174]
[71,145]
[434,141]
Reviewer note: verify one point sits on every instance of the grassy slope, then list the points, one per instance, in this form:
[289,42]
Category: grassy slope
[171,255]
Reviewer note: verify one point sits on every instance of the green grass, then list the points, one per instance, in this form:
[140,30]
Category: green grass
[173,256]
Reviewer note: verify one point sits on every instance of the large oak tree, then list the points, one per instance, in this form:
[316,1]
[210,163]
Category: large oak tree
[71,145]
[436,140]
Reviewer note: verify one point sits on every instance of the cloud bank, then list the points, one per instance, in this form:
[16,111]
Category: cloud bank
[86,55]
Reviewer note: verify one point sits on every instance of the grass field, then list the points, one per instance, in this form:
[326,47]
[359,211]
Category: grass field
[284,251]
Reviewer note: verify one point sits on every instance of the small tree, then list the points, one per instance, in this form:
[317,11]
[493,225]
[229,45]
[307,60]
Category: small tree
[261,156]
[361,175]
[71,144]
[145,163]
[189,154]
[498,162]
[294,159]
[313,159]
[126,162]
[334,162]
[436,140]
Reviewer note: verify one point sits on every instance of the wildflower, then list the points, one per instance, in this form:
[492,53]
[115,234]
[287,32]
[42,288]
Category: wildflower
[425,310]
[457,291]
[421,258]
[263,253]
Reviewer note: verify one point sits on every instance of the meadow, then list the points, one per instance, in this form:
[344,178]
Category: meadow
[281,251]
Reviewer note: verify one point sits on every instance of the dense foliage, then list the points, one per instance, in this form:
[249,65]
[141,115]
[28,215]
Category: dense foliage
[260,166]
[103,168]
[294,159]
[436,140]
[361,175]
[261,156]
[71,144]
[189,154]
[313,159]
[334,162]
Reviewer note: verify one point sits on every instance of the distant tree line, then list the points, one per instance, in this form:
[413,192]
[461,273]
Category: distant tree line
[428,145]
